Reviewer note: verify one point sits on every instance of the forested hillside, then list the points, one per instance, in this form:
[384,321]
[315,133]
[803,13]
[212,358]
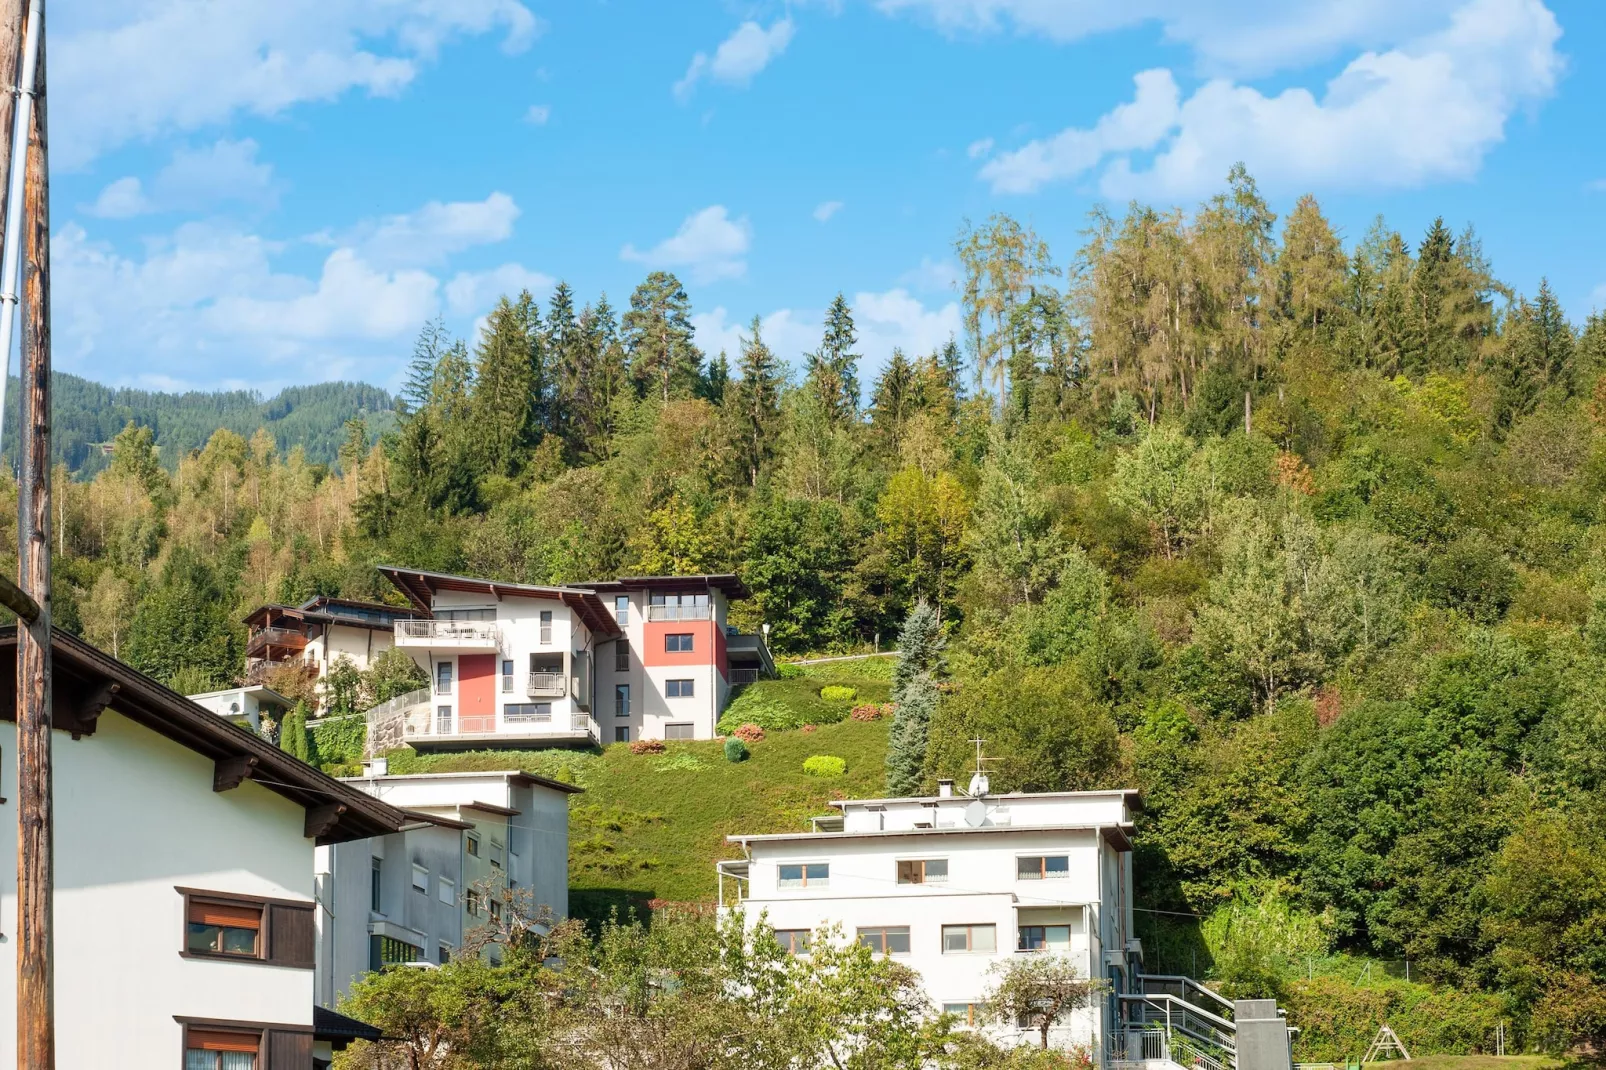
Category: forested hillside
[1303,538]
[88,415]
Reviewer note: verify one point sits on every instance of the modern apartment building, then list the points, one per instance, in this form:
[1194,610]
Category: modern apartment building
[312,635]
[522,665]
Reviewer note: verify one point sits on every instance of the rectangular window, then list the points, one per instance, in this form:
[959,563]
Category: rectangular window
[210,1049]
[957,939]
[496,910]
[376,886]
[471,903]
[496,855]
[473,845]
[223,928]
[1042,867]
[886,939]
[443,720]
[1044,938]
[446,890]
[621,700]
[677,689]
[621,610]
[621,655]
[794,941]
[678,643]
[527,713]
[388,951]
[805,875]
[420,878]
[443,678]
[680,731]
[923,871]
[546,627]
[443,954]
[969,1014]
[507,677]
[621,734]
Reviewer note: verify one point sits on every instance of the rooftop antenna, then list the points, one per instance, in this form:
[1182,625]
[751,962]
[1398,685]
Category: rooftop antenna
[978,779]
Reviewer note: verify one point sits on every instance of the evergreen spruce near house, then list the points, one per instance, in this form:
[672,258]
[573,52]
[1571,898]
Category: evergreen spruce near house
[914,698]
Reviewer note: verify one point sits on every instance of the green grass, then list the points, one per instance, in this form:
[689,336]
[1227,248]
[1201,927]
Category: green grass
[1479,1062]
[651,826]
[791,703]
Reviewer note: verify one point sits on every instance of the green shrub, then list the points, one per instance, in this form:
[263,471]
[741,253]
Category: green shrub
[736,751]
[785,671]
[338,740]
[1338,1018]
[824,765]
[838,693]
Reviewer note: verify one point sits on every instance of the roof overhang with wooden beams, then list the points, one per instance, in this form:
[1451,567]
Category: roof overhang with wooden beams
[420,588]
[86,682]
[726,583]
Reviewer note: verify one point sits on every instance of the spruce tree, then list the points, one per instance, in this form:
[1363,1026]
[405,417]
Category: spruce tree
[909,735]
[658,333]
[893,399]
[432,342]
[755,405]
[834,368]
[920,646]
[505,388]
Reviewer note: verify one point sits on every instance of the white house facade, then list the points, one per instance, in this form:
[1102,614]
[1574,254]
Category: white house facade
[184,897]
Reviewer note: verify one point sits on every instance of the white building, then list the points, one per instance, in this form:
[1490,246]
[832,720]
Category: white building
[479,843]
[183,875]
[314,635]
[952,885]
[246,706]
[519,665]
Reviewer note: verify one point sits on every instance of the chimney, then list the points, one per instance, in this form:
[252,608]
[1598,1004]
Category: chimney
[945,789]
[375,766]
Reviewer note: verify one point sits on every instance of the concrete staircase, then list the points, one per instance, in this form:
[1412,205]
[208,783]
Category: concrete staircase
[1174,1022]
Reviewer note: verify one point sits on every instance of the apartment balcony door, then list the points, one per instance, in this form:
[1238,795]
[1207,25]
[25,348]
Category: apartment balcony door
[476,693]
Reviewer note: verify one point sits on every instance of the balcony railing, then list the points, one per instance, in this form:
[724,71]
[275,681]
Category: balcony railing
[454,633]
[546,685]
[678,612]
[262,638]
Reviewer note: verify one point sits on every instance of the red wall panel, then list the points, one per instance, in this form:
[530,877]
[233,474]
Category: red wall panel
[476,692]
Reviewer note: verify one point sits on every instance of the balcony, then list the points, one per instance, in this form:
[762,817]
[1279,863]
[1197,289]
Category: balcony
[547,685]
[477,635]
[677,613]
[264,642]
[429,727]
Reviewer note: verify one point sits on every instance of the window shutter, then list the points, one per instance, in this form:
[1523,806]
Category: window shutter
[290,935]
[289,1051]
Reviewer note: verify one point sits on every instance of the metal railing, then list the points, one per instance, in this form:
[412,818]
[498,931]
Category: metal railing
[1209,1035]
[657,612]
[1184,988]
[744,676]
[479,632]
[546,685]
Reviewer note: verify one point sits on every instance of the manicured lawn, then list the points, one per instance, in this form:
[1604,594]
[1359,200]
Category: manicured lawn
[1478,1062]
[790,703]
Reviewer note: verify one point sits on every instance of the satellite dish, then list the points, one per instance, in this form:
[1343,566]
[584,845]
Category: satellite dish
[976,814]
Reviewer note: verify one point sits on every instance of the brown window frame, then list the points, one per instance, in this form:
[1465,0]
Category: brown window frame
[267,907]
[1042,873]
[794,941]
[868,935]
[913,871]
[970,938]
[270,1037]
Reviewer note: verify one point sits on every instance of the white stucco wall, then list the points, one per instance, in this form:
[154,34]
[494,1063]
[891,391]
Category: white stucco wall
[135,816]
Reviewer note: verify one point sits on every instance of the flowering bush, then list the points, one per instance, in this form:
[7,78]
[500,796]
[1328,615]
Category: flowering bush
[870,711]
[647,746]
[811,728]
[749,733]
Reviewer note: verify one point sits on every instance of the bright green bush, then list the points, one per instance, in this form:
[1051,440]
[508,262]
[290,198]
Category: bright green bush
[338,740]
[824,765]
[838,693]
[1337,1019]
[736,751]
[788,671]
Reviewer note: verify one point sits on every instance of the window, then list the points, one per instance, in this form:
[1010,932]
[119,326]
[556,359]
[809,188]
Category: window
[621,609]
[805,875]
[621,700]
[546,627]
[446,890]
[794,941]
[957,939]
[527,713]
[376,886]
[621,734]
[388,951]
[678,643]
[677,689]
[473,845]
[443,954]
[680,731]
[1042,867]
[886,939]
[969,1014]
[496,910]
[507,677]
[1044,938]
[471,903]
[484,613]
[443,720]
[1033,1018]
[443,678]
[923,871]
[496,855]
[224,929]
[621,655]
[207,1049]
[420,878]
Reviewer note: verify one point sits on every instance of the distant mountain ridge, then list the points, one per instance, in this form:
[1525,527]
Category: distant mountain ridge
[89,414]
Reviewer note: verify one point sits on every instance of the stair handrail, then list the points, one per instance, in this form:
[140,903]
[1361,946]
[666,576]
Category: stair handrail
[1183,1017]
[1186,983]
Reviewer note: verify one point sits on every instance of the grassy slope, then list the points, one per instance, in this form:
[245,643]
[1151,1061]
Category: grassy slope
[652,826]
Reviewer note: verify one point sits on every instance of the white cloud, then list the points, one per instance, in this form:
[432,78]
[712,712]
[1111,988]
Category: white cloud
[979,148]
[1240,36]
[824,211]
[121,199]
[128,70]
[738,58]
[194,179]
[932,275]
[435,231]
[709,244]
[471,293]
[351,299]
[1428,110]
[538,114]
[1597,186]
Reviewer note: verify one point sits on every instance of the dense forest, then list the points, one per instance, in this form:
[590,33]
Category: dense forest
[1304,538]
[88,415]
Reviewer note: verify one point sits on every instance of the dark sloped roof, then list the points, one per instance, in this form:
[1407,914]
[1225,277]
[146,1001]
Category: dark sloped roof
[338,1029]
[87,680]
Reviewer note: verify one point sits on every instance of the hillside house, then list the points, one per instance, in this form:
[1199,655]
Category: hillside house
[246,706]
[184,897]
[313,635]
[520,665]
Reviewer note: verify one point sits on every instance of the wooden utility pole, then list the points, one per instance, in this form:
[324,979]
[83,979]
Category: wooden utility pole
[36,1009]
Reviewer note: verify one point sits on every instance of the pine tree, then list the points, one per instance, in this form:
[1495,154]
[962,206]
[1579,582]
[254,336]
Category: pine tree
[914,691]
[717,379]
[506,387]
[894,398]
[658,335]
[432,342]
[755,404]
[565,356]
[834,369]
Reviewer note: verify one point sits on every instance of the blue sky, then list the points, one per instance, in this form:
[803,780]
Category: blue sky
[261,195]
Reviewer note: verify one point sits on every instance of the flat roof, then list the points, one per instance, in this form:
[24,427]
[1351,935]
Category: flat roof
[510,774]
[254,689]
[1119,834]
[419,586]
[1132,793]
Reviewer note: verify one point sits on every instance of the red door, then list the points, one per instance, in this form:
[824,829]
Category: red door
[476,692]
